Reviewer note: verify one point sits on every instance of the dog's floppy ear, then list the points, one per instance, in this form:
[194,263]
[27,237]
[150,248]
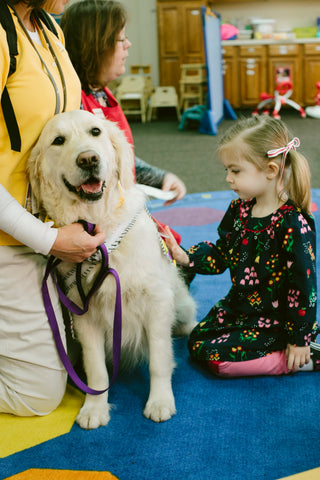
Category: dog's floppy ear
[124,154]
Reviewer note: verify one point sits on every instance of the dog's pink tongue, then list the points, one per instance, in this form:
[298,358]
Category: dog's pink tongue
[91,187]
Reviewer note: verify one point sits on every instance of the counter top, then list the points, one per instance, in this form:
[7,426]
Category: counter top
[269,41]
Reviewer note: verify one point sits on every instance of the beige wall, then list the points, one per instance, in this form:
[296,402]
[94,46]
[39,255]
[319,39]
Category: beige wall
[142,32]
[287,13]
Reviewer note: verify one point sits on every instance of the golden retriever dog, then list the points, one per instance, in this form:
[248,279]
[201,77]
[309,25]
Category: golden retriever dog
[81,168]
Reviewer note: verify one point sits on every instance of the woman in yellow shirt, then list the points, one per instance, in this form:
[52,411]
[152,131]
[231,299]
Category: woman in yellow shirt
[32,377]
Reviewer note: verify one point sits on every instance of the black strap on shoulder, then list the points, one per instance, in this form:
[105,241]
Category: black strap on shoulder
[9,27]
[11,121]
[7,109]
[41,15]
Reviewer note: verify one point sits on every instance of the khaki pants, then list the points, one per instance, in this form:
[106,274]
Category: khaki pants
[32,377]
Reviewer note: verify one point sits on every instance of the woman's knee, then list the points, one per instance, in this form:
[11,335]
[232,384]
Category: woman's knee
[40,398]
[48,393]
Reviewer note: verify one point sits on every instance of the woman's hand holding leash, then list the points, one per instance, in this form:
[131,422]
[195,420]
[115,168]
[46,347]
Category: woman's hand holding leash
[73,244]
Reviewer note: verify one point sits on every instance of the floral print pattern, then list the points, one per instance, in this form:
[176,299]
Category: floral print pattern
[272,300]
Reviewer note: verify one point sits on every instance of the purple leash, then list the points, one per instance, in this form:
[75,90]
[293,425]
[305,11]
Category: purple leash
[72,307]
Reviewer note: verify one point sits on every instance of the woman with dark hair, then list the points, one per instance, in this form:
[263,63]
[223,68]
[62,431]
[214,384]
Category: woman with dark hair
[98,47]
[32,377]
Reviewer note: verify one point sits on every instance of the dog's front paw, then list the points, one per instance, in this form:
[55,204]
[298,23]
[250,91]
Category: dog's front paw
[91,417]
[160,410]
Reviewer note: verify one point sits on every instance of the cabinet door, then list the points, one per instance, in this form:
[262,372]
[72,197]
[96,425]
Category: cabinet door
[311,72]
[253,74]
[252,80]
[169,19]
[193,43]
[230,75]
[168,29]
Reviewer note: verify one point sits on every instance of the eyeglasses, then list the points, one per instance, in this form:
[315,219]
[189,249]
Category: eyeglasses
[122,40]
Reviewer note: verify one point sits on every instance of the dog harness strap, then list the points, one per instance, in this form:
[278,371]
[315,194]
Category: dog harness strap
[117,323]
[89,228]
[110,244]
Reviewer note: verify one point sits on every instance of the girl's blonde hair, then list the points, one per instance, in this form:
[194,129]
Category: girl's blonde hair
[255,136]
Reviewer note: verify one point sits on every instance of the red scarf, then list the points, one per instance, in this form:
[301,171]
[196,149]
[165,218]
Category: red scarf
[113,112]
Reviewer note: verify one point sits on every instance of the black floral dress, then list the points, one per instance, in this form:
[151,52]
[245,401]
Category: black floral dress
[272,301]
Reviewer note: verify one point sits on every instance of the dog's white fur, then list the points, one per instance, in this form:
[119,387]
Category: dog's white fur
[155,300]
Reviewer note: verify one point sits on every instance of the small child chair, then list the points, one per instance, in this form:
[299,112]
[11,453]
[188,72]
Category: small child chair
[164,97]
[192,83]
[132,95]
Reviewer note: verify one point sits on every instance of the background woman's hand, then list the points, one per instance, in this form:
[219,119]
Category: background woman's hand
[73,244]
[297,357]
[173,183]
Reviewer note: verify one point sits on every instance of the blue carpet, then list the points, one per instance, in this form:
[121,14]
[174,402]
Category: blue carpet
[248,429]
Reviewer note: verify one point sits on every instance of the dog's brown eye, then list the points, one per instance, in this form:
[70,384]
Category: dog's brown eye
[58,140]
[95,132]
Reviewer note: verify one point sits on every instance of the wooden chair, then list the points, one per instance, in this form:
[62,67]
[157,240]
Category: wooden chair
[192,83]
[145,71]
[132,95]
[164,97]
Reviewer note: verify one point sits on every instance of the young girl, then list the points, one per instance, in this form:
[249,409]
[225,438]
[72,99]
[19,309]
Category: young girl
[267,239]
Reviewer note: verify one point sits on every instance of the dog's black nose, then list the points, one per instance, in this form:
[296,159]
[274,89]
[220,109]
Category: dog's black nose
[87,160]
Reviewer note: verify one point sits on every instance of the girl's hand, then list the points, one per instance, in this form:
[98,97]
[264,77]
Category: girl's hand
[177,253]
[73,244]
[297,357]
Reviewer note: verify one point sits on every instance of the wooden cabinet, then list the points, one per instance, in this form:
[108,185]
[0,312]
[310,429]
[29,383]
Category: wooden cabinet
[311,71]
[251,69]
[252,73]
[180,38]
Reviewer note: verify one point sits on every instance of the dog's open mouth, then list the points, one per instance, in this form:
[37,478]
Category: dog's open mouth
[92,189]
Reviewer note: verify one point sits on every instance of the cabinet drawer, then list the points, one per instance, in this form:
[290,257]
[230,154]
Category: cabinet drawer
[285,49]
[229,52]
[252,51]
[311,48]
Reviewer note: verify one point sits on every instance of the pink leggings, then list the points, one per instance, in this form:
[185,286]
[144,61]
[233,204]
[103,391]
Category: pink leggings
[273,364]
